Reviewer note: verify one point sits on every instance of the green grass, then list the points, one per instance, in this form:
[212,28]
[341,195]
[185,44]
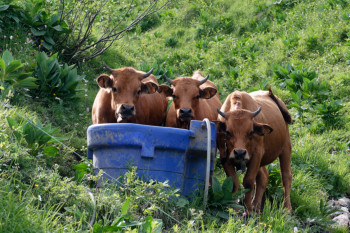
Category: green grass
[238,43]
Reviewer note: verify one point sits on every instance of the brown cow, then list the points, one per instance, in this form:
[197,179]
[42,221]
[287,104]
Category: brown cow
[253,132]
[128,96]
[194,98]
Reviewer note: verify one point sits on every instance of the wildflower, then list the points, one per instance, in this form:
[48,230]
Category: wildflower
[4,175]
[39,197]
[36,185]
[244,213]
[11,37]
[54,93]
[42,41]
[5,37]
[270,226]
[295,230]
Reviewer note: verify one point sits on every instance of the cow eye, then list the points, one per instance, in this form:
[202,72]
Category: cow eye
[114,89]
[139,92]
[228,134]
[174,96]
[197,97]
[251,133]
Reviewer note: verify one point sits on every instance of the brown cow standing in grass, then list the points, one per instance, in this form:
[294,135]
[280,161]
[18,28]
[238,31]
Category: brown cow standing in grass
[253,132]
[128,96]
[194,98]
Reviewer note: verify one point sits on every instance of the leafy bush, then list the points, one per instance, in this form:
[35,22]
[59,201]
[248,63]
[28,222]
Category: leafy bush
[8,11]
[33,136]
[46,27]
[11,77]
[329,111]
[171,42]
[54,79]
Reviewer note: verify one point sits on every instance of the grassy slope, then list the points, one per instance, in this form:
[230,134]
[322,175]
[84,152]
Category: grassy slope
[237,43]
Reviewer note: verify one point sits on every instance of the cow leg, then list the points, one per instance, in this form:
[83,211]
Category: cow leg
[230,171]
[249,181]
[260,187]
[286,174]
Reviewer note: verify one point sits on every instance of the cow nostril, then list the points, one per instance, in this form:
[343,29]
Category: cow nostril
[125,107]
[239,154]
[185,111]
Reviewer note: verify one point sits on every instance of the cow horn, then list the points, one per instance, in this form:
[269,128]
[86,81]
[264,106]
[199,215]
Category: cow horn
[148,73]
[168,79]
[221,113]
[256,112]
[204,80]
[110,70]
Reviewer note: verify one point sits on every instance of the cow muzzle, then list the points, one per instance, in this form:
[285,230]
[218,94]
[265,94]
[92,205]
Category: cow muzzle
[240,154]
[239,158]
[125,112]
[185,114]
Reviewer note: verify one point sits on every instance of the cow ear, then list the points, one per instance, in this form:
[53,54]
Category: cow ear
[149,88]
[262,129]
[207,92]
[220,126]
[166,89]
[104,81]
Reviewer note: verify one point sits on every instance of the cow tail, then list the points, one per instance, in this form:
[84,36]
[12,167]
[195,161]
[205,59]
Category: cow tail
[287,117]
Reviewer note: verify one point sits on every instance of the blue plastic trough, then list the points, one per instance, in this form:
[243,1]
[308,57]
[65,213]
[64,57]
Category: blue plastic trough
[159,153]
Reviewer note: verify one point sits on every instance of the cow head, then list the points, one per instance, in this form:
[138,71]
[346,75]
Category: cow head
[243,135]
[126,87]
[186,93]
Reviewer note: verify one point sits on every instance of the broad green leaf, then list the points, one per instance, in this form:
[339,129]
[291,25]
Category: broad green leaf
[15,18]
[51,151]
[218,195]
[97,228]
[7,57]
[216,185]
[182,202]
[111,229]
[125,207]
[54,18]
[227,188]
[4,7]
[47,46]
[80,170]
[12,123]
[49,40]
[228,184]
[37,32]
[293,105]
[2,65]
[14,65]
[58,28]
[27,83]
[29,134]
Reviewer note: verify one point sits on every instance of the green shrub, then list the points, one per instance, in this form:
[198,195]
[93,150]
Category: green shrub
[8,11]
[46,27]
[11,77]
[329,111]
[171,42]
[33,136]
[54,79]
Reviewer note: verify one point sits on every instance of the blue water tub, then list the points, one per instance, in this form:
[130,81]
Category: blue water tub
[159,153]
